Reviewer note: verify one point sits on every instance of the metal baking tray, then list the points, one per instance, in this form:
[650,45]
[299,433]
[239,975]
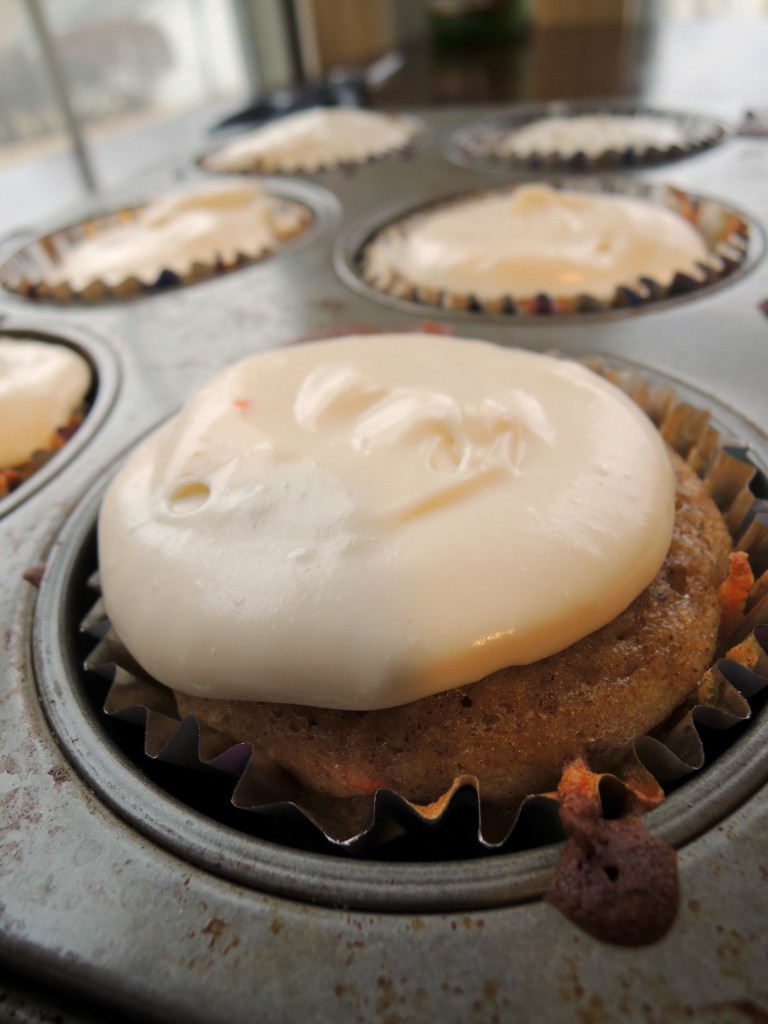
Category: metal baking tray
[114,890]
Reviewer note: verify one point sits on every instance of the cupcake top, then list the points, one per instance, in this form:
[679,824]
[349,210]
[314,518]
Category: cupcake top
[361,522]
[591,134]
[41,385]
[214,223]
[535,239]
[313,139]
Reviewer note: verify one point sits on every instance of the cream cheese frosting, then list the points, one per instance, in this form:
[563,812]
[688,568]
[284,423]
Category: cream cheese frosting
[591,134]
[218,221]
[535,239]
[361,522]
[41,385]
[311,139]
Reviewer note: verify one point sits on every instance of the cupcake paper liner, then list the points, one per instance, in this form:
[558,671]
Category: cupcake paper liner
[311,164]
[485,142]
[30,270]
[668,753]
[725,232]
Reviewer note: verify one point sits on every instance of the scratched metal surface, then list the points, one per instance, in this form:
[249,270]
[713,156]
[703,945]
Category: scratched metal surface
[91,905]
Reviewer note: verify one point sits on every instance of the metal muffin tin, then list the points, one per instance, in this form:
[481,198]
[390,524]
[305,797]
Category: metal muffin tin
[140,904]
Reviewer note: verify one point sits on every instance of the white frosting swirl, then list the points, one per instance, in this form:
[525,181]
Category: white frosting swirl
[591,134]
[310,139]
[361,522]
[216,221]
[535,239]
[41,385]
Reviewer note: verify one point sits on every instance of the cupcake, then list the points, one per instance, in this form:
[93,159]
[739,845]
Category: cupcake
[315,140]
[179,237]
[593,135]
[534,248]
[43,388]
[580,141]
[403,562]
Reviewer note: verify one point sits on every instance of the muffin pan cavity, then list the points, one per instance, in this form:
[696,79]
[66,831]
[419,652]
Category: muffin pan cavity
[583,137]
[369,258]
[104,369]
[299,213]
[181,795]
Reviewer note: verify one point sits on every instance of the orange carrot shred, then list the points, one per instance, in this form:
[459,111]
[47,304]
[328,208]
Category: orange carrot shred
[734,591]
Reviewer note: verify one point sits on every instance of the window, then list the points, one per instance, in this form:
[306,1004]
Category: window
[141,79]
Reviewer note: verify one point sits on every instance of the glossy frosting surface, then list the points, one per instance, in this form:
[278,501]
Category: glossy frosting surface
[321,137]
[364,521]
[592,134]
[41,385]
[535,239]
[218,220]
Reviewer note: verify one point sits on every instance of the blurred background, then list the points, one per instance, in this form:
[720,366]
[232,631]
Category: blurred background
[92,92]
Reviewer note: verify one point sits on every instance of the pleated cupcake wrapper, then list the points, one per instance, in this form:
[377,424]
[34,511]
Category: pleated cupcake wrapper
[260,165]
[485,142]
[32,271]
[724,231]
[668,753]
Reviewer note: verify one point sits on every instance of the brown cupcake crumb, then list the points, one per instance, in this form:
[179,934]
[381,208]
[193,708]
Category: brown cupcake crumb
[614,879]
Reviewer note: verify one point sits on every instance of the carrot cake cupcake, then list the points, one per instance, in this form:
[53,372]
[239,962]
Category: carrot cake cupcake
[43,387]
[313,140]
[501,251]
[392,561]
[183,236]
[591,134]
[558,140]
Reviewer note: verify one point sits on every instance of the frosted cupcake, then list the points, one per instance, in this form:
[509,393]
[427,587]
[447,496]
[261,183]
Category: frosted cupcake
[43,389]
[176,238]
[594,135]
[314,140]
[580,141]
[373,573]
[399,561]
[538,249]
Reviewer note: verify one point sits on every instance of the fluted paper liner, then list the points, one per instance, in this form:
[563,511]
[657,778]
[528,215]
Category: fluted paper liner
[484,142]
[669,752]
[30,272]
[724,231]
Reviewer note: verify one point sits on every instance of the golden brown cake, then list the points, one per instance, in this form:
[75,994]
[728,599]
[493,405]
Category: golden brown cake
[516,729]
